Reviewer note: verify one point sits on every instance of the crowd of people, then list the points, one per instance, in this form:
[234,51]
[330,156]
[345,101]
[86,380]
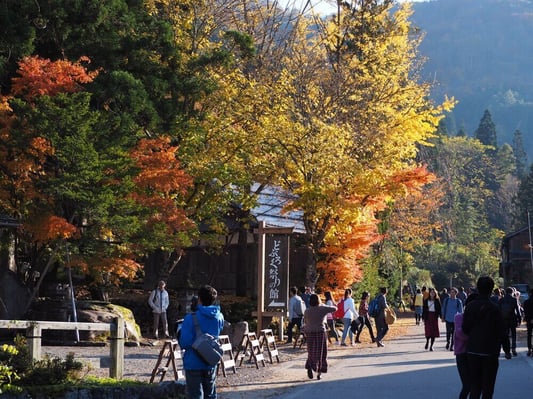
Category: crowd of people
[479,323]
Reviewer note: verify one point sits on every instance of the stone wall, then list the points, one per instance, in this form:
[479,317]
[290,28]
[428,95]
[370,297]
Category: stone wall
[164,390]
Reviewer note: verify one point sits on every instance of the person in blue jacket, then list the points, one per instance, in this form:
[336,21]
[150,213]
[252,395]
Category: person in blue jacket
[201,377]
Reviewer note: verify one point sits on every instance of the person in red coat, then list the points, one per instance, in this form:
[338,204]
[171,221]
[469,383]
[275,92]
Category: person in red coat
[431,311]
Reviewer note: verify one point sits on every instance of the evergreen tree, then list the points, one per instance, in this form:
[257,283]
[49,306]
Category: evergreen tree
[524,200]
[442,129]
[461,133]
[486,131]
[520,154]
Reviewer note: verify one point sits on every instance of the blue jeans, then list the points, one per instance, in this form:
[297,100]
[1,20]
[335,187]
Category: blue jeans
[346,330]
[201,384]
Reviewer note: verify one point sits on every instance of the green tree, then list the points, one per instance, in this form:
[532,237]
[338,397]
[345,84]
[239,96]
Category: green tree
[486,131]
[467,237]
[524,200]
[520,154]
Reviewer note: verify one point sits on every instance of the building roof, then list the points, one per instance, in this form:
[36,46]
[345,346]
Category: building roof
[7,221]
[270,204]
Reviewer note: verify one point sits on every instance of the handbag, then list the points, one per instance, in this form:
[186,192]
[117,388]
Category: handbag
[206,346]
[390,315]
[355,324]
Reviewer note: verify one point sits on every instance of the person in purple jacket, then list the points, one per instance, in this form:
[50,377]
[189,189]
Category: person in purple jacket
[200,377]
[460,340]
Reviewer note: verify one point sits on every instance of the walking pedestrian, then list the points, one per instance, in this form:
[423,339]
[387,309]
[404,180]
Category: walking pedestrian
[306,295]
[418,303]
[443,295]
[365,319]
[330,319]
[430,314]
[528,319]
[511,316]
[381,326]
[200,377]
[462,294]
[349,314]
[296,313]
[484,325]
[461,358]
[315,336]
[450,307]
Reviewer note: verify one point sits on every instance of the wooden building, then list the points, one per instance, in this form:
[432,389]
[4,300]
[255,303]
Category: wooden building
[516,258]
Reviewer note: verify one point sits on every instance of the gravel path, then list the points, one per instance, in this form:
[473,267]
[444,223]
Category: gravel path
[140,361]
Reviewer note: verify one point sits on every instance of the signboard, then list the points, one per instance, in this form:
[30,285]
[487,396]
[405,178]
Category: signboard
[276,271]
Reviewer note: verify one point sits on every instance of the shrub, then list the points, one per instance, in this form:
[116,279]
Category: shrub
[16,366]
[8,374]
[52,371]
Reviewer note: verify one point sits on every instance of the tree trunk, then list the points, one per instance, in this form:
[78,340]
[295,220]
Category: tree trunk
[242,264]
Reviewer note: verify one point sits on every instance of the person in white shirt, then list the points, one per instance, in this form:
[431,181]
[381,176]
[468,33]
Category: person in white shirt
[159,302]
[349,314]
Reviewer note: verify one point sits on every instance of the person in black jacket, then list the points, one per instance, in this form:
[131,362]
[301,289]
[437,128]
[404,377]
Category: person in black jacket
[484,325]
[511,316]
[528,319]
[431,310]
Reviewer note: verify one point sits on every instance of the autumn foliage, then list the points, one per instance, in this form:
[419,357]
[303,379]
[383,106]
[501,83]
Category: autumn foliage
[47,228]
[160,182]
[39,77]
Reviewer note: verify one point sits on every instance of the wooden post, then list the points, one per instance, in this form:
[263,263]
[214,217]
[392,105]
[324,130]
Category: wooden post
[117,349]
[260,274]
[33,336]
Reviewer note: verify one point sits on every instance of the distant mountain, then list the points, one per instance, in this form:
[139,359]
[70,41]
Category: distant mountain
[481,52]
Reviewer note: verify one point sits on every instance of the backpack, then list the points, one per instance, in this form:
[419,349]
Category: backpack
[339,313]
[445,306]
[300,308]
[507,309]
[373,308]
[206,346]
[355,324]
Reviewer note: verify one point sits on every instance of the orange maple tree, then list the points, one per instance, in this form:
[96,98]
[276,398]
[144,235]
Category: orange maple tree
[160,184]
[38,77]
[345,250]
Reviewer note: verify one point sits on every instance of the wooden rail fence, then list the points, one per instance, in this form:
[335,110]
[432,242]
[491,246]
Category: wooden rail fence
[34,329]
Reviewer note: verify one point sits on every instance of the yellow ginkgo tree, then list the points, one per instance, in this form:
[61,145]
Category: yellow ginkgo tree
[351,115]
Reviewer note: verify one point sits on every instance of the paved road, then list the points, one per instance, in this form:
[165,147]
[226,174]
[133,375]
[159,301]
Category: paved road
[401,370]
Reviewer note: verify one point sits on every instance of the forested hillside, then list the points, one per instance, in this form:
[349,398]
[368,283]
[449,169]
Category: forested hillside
[130,128]
[481,52]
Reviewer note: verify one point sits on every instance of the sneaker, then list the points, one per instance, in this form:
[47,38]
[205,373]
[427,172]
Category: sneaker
[529,352]
[447,345]
[357,341]
[451,348]
[514,352]
[318,376]
[343,344]
[310,373]
[380,344]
